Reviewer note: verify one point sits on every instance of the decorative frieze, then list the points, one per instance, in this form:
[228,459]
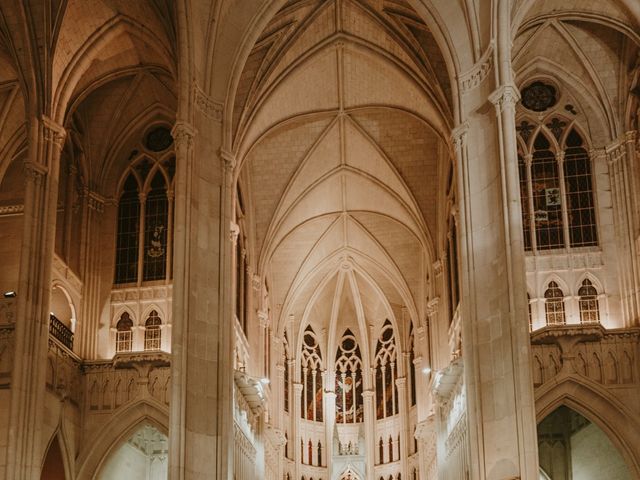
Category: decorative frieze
[205,104]
[6,210]
[472,78]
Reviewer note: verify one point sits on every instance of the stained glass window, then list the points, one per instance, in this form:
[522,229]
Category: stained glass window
[155,226]
[580,207]
[152,332]
[588,302]
[556,187]
[349,406]
[554,304]
[386,372]
[311,377]
[124,333]
[128,232]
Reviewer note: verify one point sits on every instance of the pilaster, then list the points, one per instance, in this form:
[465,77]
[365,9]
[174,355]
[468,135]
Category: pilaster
[24,450]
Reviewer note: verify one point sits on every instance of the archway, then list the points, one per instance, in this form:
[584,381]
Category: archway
[572,447]
[53,468]
[142,455]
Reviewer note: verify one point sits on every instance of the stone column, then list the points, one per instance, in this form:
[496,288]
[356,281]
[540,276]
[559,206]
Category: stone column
[87,328]
[368,397]
[496,349]
[201,415]
[401,385]
[295,432]
[329,417]
[24,449]
[426,436]
[68,212]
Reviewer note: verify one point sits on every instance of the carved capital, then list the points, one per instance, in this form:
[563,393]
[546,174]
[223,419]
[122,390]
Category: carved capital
[256,282]
[459,136]
[205,104]
[263,317]
[505,96]
[34,172]
[53,132]
[183,134]
[432,306]
[95,201]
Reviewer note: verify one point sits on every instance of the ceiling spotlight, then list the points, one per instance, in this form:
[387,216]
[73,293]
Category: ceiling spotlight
[265,381]
[9,294]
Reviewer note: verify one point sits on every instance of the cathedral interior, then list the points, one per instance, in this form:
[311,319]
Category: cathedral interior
[319,239]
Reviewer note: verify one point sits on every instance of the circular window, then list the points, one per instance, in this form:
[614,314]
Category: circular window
[158,139]
[539,96]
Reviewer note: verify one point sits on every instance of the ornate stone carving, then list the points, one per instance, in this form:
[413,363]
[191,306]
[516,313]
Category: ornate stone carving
[53,132]
[228,158]
[505,96]
[459,136]
[474,77]
[183,133]
[209,107]
[11,209]
[539,96]
[234,231]
[34,172]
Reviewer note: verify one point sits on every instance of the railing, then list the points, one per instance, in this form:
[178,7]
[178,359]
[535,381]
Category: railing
[60,332]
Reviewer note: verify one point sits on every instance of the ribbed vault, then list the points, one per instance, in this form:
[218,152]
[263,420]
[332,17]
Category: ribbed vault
[339,125]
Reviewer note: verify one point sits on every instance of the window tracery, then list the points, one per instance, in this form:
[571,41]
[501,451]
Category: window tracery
[386,372]
[588,302]
[349,405]
[554,304]
[311,377]
[124,334]
[152,331]
[556,190]
[144,226]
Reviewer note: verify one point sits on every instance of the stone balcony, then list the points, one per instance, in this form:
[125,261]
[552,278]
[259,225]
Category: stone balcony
[606,357]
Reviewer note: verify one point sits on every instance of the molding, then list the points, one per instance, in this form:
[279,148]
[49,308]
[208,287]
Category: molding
[205,104]
[7,210]
[473,77]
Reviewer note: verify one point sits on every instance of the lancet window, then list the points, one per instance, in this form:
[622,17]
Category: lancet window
[152,331]
[311,377]
[556,188]
[124,333]
[588,302]
[349,406]
[386,372]
[554,304]
[145,221]
[412,366]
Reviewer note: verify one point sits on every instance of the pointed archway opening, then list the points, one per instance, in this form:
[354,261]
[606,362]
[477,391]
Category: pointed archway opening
[572,447]
[53,468]
[143,455]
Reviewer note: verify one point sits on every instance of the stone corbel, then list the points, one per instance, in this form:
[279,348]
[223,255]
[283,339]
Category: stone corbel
[234,231]
[34,172]
[459,136]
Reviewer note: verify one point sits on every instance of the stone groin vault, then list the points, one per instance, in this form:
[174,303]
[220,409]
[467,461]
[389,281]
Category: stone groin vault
[319,239]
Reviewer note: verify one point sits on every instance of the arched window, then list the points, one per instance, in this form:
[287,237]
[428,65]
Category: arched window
[310,452]
[554,304]
[529,312]
[349,406]
[128,232]
[124,333]
[152,331]
[145,222]
[555,188]
[311,377]
[390,446]
[386,372]
[588,303]
[319,454]
[286,446]
[381,450]
[156,211]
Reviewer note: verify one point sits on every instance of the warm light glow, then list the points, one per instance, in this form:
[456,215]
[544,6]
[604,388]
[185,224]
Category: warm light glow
[9,294]
[265,381]
[426,370]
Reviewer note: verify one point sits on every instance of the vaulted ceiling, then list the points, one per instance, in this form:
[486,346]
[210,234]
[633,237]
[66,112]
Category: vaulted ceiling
[340,123]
